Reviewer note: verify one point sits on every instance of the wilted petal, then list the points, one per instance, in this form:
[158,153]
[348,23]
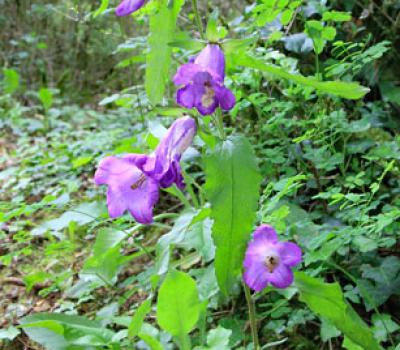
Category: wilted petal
[255,277]
[282,277]
[128,188]
[212,59]
[290,253]
[127,7]
[164,165]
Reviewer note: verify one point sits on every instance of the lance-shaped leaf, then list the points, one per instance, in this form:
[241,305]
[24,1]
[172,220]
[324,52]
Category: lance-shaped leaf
[343,89]
[162,32]
[232,188]
[327,301]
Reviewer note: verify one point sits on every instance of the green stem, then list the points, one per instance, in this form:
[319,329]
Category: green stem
[184,342]
[252,316]
[197,18]
[219,124]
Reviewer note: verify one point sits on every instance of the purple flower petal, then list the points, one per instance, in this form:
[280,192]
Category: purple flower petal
[185,73]
[212,59]
[266,233]
[256,277]
[126,7]
[271,259]
[225,97]
[282,277]
[290,253]
[128,188]
[186,96]
[164,165]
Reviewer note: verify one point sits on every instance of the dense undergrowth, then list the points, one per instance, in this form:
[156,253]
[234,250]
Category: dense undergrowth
[73,92]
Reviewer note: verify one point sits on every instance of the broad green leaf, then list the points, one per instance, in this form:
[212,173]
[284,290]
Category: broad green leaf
[107,238]
[10,81]
[57,331]
[138,318]
[46,98]
[81,161]
[327,300]
[178,304]
[343,89]
[232,188]
[162,32]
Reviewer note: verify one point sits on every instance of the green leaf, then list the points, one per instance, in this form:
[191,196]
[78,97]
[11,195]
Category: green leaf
[232,187]
[58,331]
[151,341]
[178,304]
[46,98]
[327,300]
[81,161]
[162,32]
[106,239]
[138,318]
[10,81]
[336,16]
[347,90]
[10,333]
[103,7]
[383,325]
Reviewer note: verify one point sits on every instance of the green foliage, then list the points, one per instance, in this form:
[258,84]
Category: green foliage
[178,306]
[162,32]
[232,188]
[327,301]
[10,81]
[338,88]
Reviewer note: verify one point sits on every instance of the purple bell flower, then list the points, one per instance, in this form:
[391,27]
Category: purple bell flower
[269,261]
[134,180]
[164,164]
[126,7]
[128,187]
[202,82]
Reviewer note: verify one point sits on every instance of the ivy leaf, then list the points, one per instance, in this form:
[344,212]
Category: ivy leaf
[178,305]
[343,89]
[232,187]
[162,32]
[327,301]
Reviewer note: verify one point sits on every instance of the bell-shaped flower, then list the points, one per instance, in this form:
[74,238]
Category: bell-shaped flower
[268,261]
[129,188]
[202,82]
[134,180]
[126,7]
[164,164]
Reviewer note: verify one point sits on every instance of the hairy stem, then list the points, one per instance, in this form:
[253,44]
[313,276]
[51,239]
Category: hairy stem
[252,316]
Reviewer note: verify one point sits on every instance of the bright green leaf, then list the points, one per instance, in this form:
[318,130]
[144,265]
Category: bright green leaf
[232,187]
[327,300]
[10,81]
[178,304]
[162,32]
[339,88]
[138,318]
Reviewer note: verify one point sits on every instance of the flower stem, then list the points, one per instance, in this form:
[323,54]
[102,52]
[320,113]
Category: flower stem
[197,18]
[252,316]
[219,124]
